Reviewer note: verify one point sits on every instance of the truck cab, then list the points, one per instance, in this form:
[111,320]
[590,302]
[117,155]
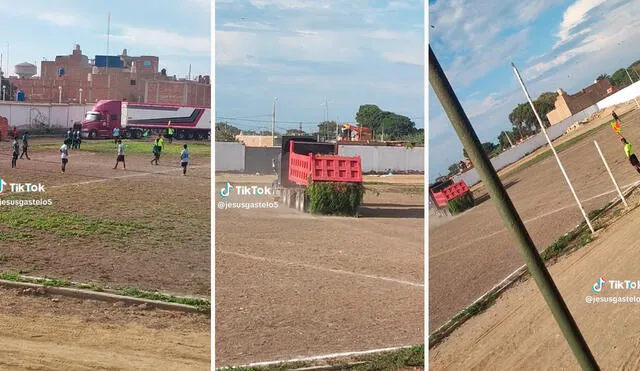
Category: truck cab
[101,120]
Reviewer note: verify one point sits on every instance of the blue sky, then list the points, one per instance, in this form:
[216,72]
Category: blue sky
[554,43]
[303,51]
[177,32]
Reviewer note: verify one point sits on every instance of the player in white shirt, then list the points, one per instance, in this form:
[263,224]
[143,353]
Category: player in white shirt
[184,159]
[64,155]
[120,155]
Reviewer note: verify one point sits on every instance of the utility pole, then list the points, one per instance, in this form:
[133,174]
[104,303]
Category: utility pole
[107,61]
[508,138]
[273,123]
[512,220]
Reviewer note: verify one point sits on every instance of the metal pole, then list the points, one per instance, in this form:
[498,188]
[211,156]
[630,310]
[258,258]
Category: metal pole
[273,124]
[566,177]
[611,175]
[512,220]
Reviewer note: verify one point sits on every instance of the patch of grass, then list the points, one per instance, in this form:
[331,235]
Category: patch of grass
[335,198]
[137,293]
[10,276]
[460,204]
[133,147]
[66,224]
[54,282]
[14,236]
[408,357]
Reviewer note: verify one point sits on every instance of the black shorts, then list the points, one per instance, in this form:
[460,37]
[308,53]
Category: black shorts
[15,155]
[184,164]
[65,160]
[634,160]
[120,158]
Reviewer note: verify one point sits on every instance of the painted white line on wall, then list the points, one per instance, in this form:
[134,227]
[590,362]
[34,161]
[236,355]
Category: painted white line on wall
[327,356]
[315,267]
[467,243]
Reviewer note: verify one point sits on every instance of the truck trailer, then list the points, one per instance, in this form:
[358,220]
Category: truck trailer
[303,159]
[134,119]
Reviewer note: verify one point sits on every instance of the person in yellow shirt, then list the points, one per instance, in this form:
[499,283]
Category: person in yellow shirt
[170,133]
[632,157]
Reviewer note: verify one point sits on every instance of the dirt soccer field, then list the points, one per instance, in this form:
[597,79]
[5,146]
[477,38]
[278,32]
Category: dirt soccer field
[472,252]
[292,285]
[519,333]
[146,228]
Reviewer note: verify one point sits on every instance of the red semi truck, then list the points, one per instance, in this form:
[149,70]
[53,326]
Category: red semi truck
[133,119]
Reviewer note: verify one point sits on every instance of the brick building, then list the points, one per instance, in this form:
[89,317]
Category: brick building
[567,105]
[123,77]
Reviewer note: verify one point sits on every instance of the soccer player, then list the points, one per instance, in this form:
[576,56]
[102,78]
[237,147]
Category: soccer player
[25,145]
[64,154]
[632,157]
[184,160]
[170,133]
[615,117]
[120,155]
[156,151]
[16,151]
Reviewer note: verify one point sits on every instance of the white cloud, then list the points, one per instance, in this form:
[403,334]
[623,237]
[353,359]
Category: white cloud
[573,17]
[170,43]
[290,4]
[61,19]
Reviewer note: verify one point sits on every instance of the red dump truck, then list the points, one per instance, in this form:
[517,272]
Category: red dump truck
[302,159]
[134,119]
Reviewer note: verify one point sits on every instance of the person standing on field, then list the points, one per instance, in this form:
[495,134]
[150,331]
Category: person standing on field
[160,145]
[156,152]
[120,155]
[615,116]
[170,133]
[25,145]
[15,152]
[632,157]
[64,154]
[184,159]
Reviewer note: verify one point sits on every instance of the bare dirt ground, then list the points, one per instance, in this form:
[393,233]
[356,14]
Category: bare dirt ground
[519,332]
[293,285]
[58,333]
[146,227]
[470,253]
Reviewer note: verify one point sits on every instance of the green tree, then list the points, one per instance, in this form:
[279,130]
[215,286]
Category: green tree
[453,169]
[488,147]
[620,79]
[226,132]
[327,129]
[603,76]
[503,140]
[370,116]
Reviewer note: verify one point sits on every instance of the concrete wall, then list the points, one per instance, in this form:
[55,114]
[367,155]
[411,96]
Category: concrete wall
[230,156]
[34,115]
[514,154]
[237,157]
[630,92]
[258,159]
[381,158]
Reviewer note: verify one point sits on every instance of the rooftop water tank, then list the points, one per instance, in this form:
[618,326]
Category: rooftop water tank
[26,70]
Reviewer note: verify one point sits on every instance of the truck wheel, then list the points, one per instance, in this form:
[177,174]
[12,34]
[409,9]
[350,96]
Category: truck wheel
[126,134]
[190,135]
[199,135]
[180,135]
[93,134]
[135,134]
